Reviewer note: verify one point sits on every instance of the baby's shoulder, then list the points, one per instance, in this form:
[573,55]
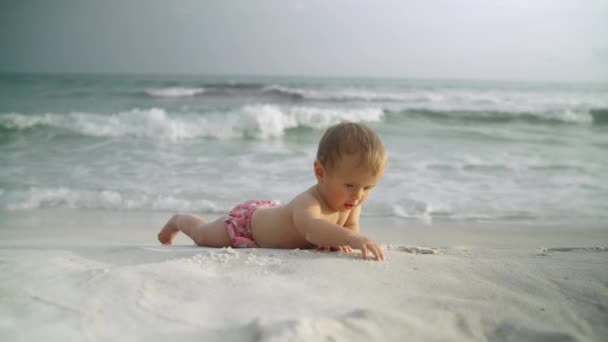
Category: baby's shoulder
[306,197]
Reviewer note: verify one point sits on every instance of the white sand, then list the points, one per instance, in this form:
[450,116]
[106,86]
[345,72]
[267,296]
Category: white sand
[73,282]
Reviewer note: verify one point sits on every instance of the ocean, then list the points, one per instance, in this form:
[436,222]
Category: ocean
[483,151]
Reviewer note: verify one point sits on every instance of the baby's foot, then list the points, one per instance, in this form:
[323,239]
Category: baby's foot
[167,234]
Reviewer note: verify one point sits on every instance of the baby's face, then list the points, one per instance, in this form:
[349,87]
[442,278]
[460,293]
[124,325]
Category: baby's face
[347,184]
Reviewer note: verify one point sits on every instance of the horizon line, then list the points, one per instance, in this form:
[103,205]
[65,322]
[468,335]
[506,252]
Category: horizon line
[310,76]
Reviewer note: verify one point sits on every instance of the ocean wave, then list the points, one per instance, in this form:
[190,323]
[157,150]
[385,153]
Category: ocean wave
[600,116]
[236,85]
[254,121]
[295,93]
[175,92]
[425,213]
[423,210]
[211,89]
[493,99]
[349,94]
[551,117]
[63,197]
[150,123]
[288,92]
[345,94]
[270,121]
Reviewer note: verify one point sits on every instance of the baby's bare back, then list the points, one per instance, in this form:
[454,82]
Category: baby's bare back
[274,228]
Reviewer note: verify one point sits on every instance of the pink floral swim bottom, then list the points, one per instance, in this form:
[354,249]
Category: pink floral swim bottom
[238,222]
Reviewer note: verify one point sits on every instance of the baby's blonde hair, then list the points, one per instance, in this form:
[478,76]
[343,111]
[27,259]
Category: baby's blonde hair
[352,138]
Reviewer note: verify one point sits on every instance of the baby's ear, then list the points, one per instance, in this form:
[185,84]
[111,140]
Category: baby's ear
[319,171]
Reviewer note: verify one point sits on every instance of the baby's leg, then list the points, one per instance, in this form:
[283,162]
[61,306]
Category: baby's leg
[212,234]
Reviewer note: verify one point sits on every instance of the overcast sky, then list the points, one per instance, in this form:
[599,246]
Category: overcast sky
[464,39]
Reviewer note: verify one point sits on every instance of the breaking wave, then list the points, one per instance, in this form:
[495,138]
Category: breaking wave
[254,121]
[175,92]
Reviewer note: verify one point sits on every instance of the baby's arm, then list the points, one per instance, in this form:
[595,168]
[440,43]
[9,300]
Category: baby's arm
[352,223]
[309,222]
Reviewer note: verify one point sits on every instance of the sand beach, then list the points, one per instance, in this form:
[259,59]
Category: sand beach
[102,276]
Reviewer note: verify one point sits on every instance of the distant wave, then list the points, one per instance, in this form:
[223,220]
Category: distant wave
[229,89]
[501,117]
[291,93]
[600,116]
[254,121]
[349,94]
[286,92]
[175,92]
[441,99]
[265,121]
[236,85]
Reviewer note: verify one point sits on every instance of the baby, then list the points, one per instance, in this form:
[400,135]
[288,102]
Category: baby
[350,161]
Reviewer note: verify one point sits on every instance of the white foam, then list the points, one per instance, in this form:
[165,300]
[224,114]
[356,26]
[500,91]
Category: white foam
[150,123]
[175,92]
[271,121]
[62,197]
[414,210]
[254,121]
[20,121]
[567,106]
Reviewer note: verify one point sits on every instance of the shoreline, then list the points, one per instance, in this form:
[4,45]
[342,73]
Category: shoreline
[142,227]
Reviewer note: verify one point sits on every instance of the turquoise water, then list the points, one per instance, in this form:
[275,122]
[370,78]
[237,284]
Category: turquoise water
[459,150]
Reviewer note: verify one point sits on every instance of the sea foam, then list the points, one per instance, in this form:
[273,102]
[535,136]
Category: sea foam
[73,198]
[175,92]
[267,121]
[252,121]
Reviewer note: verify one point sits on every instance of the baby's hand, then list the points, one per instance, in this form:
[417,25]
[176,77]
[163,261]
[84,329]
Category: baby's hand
[345,249]
[366,245]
